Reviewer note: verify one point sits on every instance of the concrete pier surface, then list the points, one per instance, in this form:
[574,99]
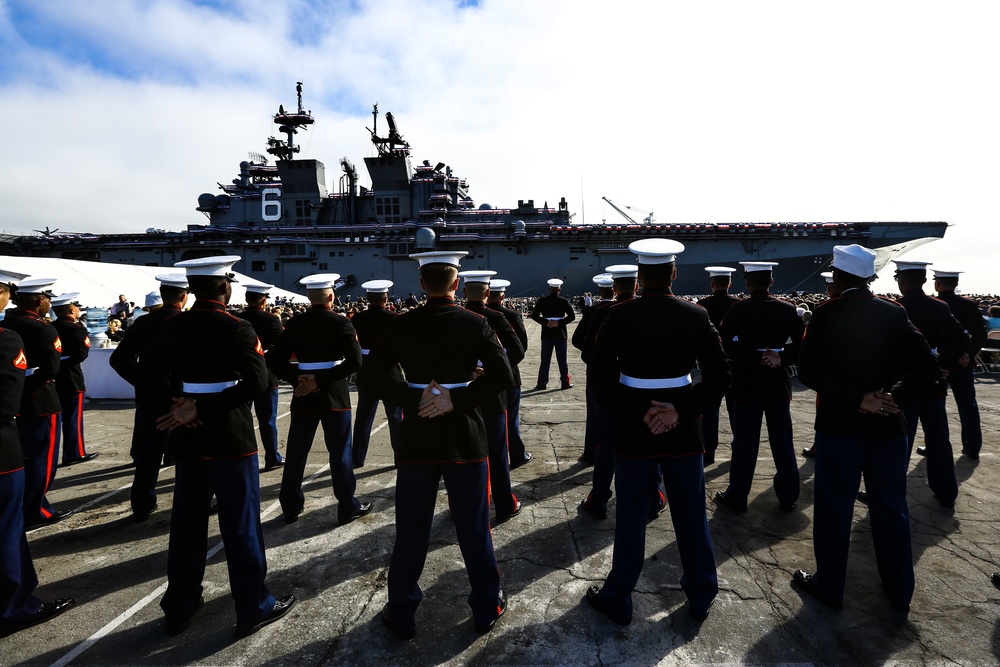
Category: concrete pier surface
[549,555]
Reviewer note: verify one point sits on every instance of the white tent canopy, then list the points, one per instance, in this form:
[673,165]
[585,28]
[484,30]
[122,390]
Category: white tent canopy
[100,283]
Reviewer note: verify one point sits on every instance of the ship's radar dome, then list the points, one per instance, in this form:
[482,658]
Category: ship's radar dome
[520,229]
[485,207]
[206,201]
[426,239]
[438,222]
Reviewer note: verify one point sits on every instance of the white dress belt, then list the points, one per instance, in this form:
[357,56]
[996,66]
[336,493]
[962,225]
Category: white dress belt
[319,365]
[364,351]
[30,371]
[771,349]
[207,387]
[64,358]
[654,383]
[451,385]
[553,319]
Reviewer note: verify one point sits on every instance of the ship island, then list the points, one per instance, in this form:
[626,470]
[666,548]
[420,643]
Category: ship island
[284,222]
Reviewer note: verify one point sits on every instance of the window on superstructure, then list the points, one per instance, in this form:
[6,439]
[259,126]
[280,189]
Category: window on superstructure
[302,211]
[258,266]
[387,209]
[323,266]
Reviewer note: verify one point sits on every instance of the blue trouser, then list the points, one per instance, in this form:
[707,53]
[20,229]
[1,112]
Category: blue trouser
[500,488]
[416,495]
[710,426]
[604,462]
[236,485]
[590,440]
[40,442]
[963,386]
[635,479]
[840,463]
[364,417]
[337,436]
[73,448]
[148,446]
[930,411]
[265,407]
[746,422]
[514,442]
[17,573]
[559,345]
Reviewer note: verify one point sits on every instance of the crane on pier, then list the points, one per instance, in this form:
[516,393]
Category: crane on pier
[647,220]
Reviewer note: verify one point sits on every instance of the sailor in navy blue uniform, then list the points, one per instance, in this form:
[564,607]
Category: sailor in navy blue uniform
[70,383]
[19,608]
[717,305]
[439,346]
[864,358]
[152,397]
[643,358]
[268,329]
[39,418]
[553,312]
[831,292]
[948,341]
[761,335]
[605,297]
[960,375]
[494,409]
[518,455]
[370,324]
[214,365]
[327,352]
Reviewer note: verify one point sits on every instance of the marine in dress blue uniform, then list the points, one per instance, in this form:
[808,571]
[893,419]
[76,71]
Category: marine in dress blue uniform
[864,358]
[761,335]
[439,345]
[19,608]
[494,409]
[39,416]
[606,296]
[717,305]
[831,292]
[153,398]
[518,455]
[326,348]
[213,365]
[961,375]
[643,358]
[268,329]
[370,324]
[553,312]
[948,341]
[70,383]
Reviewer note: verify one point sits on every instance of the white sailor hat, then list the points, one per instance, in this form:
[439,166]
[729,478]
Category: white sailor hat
[377,286]
[946,273]
[220,266]
[714,271]
[320,281]
[36,286]
[8,278]
[476,276]
[828,277]
[153,299]
[554,282]
[854,259]
[750,267]
[449,257]
[904,265]
[255,287]
[173,280]
[499,285]
[604,280]
[64,299]
[656,251]
[623,271]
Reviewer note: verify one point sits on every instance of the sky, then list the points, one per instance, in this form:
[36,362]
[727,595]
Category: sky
[119,114]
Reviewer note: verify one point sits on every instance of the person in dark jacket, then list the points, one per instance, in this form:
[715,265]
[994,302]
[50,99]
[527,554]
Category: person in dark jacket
[717,305]
[864,358]
[553,312]
[70,384]
[589,322]
[495,300]
[268,329]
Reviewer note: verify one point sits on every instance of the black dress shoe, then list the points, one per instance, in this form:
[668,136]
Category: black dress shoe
[517,510]
[268,467]
[596,512]
[722,499]
[809,452]
[996,579]
[213,508]
[566,386]
[501,608]
[947,504]
[971,455]
[399,634]
[863,497]
[707,458]
[291,517]
[804,581]
[179,625]
[585,461]
[539,387]
[697,614]
[788,507]
[48,611]
[55,518]
[922,451]
[366,508]
[655,512]
[83,459]
[281,607]
[517,464]
[594,598]
[139,517]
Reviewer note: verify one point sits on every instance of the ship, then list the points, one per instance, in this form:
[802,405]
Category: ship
[285,223]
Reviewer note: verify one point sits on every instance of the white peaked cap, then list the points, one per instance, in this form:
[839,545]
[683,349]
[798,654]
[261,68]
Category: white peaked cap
[499,285]
[476,276]
[827,276]
[64,299]
[946,273]
[255,287]
[604,280]
[656,251]
[377,286]
[623,271]
[320,281]
[220,266]
[36,286]
[173,280]
[714,271]
[904,265]
[750,267]
[440,257]
[854,259]
[153,299]
[554,282]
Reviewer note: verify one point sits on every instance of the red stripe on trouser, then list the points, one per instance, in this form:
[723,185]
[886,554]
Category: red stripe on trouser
[49,462]
[79,424]
[506,449]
